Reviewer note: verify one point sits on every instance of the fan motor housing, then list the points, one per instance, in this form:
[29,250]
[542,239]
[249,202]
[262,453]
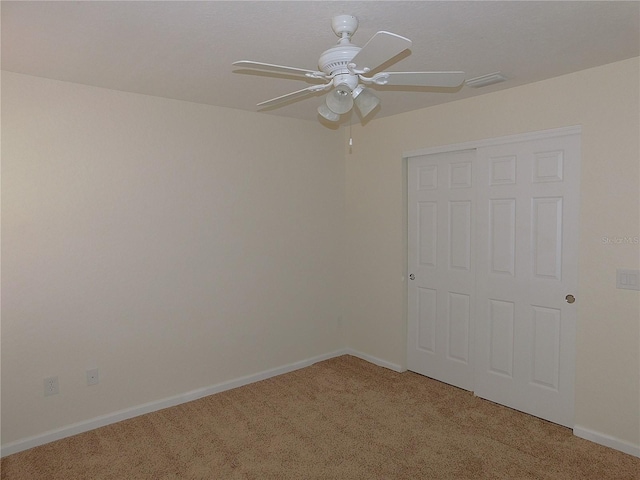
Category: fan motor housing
[336,59]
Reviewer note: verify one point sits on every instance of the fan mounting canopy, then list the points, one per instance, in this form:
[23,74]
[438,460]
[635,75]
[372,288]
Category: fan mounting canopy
[344,24]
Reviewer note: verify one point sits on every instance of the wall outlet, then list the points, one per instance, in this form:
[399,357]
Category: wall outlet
[92,377]
[51,386]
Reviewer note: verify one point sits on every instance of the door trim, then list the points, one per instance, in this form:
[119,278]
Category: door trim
[474,144]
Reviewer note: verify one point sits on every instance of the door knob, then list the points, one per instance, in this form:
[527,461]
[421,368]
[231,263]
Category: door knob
[412,277]
[570,298]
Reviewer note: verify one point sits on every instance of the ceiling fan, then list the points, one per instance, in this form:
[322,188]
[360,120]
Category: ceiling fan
[345,69]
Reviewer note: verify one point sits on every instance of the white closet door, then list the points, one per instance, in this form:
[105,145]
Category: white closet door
[441,266]
[493,252]
[527,272]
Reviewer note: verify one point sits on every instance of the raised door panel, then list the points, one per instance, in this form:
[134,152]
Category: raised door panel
[427,233]
[502,236]
[427,308]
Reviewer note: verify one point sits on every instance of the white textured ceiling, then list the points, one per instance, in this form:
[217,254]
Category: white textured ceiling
[184,50]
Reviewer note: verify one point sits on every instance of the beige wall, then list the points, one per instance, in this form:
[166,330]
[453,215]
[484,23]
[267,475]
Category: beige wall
[173,245]
[605,102]
[176,245]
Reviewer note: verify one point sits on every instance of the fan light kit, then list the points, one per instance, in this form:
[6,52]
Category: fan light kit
[346,68]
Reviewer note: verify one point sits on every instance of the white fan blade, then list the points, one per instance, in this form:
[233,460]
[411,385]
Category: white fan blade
[297,94]
[381,47]
[279,68]
[418,79]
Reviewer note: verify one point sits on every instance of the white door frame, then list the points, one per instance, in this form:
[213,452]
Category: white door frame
[520,137]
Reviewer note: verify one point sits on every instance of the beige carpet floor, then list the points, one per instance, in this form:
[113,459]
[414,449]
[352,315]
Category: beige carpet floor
[342,418]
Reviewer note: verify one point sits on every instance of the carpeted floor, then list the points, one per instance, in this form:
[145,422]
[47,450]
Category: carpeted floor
[342,418]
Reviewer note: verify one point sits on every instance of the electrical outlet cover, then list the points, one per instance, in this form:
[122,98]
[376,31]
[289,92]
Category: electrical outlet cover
[51,386]
[628,279]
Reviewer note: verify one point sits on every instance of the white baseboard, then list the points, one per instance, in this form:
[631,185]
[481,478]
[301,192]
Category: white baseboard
[376,361]
[80,427]
[607,441]
[97,422]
